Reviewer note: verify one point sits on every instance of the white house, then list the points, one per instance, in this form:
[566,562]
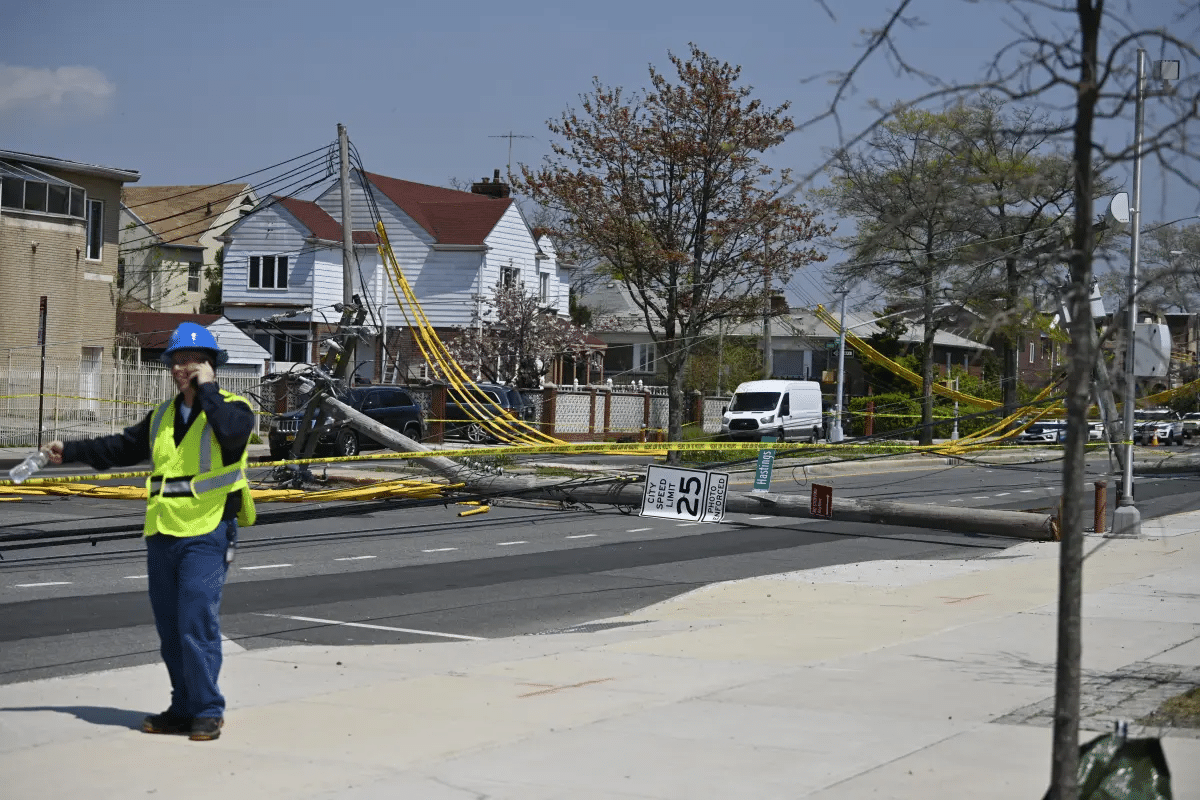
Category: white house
[283,270]
[150,331]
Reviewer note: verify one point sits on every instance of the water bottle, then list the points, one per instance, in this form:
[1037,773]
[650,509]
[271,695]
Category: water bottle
[21,472]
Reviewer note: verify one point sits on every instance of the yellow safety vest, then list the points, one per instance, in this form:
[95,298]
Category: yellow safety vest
[186,494]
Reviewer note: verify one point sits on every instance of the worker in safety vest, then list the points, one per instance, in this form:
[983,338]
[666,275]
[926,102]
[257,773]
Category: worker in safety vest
[196,499]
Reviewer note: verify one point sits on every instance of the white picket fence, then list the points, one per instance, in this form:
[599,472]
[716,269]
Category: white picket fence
[83,398]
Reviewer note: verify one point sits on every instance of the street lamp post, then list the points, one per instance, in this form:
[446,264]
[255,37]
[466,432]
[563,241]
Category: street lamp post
[1127,520]
[835,432]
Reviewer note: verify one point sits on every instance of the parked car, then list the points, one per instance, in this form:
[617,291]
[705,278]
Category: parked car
[388,405]
[1162,424]
[476,417]
[1046,432]
[1191,424]
[1055,432]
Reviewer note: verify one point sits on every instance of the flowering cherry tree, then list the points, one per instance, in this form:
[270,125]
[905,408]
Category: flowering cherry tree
[514,339]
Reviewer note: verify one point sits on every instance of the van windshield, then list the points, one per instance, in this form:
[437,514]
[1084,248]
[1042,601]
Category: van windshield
[754,401]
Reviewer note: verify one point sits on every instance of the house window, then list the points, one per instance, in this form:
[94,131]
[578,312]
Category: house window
[193,277]
[95,229]
[1032,352]
[544,287]
[509,277]
[268,272]
[27,189]
[643,357]
[284,347]
[290,348]
[35,196]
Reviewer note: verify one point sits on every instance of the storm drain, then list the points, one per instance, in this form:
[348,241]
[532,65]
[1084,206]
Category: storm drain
[591,627]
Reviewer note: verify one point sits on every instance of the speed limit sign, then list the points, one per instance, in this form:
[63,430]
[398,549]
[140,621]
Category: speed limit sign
[691,494]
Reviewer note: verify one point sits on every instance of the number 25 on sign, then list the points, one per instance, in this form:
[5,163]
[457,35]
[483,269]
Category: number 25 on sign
[690,494]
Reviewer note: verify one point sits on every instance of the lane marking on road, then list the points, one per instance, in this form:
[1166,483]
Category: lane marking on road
[1003,494]
[375,627]
[440,550]
[268,566]
[581,536]
[639,530]
[135,577]
[47,583]
[506,544]
[1027,491]
[766,517]
[956,500]
[353,558]
[686,524]
[980,497]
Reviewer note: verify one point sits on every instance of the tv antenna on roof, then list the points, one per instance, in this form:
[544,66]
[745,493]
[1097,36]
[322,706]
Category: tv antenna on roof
[510,136]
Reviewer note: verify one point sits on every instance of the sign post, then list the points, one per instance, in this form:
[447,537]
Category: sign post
[42,379]
[762,471]
[689,494]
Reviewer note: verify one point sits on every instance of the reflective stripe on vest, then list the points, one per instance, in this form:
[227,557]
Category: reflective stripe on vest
[192,486]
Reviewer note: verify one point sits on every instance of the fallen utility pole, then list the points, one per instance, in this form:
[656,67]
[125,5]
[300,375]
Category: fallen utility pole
[1016,524]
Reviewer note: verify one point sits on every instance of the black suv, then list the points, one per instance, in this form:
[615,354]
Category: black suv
[387,405]
[463,413]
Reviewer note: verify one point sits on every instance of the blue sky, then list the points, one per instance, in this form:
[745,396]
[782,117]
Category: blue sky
[189,92]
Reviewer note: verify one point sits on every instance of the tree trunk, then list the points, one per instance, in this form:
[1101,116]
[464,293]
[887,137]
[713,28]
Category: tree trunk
[675,405]
[1064,780]
[1010,370]
[927,385]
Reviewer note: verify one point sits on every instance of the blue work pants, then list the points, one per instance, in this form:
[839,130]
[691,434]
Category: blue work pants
[186,575]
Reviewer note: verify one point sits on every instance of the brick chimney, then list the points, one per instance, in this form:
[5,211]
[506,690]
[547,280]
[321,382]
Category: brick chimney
[492,188]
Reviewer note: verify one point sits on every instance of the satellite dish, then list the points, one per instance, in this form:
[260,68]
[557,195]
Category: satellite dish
[1117,215]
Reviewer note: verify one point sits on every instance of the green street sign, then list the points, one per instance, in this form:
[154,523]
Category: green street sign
[762,471]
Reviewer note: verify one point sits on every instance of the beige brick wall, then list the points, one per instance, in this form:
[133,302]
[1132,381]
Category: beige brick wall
[81,293]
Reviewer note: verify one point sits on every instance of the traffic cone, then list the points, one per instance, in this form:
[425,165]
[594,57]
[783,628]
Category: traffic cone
[1154,438]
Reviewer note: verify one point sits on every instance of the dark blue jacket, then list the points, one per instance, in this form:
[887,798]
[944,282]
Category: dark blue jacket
[232,423]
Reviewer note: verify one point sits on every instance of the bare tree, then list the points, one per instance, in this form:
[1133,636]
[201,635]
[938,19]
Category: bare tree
[513,341]
[1171,277]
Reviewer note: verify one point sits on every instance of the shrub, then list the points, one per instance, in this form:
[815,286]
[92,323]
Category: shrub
[893,411]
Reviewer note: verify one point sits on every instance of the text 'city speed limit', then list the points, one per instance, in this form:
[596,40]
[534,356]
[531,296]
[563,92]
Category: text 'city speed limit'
[690,494]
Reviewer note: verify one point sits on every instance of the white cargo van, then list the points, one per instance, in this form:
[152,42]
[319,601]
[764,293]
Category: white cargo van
[787,410]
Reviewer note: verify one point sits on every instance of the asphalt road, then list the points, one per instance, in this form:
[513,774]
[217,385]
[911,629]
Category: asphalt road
[394,574]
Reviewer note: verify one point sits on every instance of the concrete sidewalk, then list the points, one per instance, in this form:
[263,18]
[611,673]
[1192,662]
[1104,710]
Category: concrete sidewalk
[892,679]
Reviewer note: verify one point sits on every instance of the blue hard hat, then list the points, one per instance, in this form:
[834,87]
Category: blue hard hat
[190,336]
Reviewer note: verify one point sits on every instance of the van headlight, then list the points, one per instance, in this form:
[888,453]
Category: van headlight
[767,418]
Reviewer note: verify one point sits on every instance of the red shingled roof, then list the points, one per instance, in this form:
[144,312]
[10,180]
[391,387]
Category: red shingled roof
[319,223]
[448,215]
[153,329]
